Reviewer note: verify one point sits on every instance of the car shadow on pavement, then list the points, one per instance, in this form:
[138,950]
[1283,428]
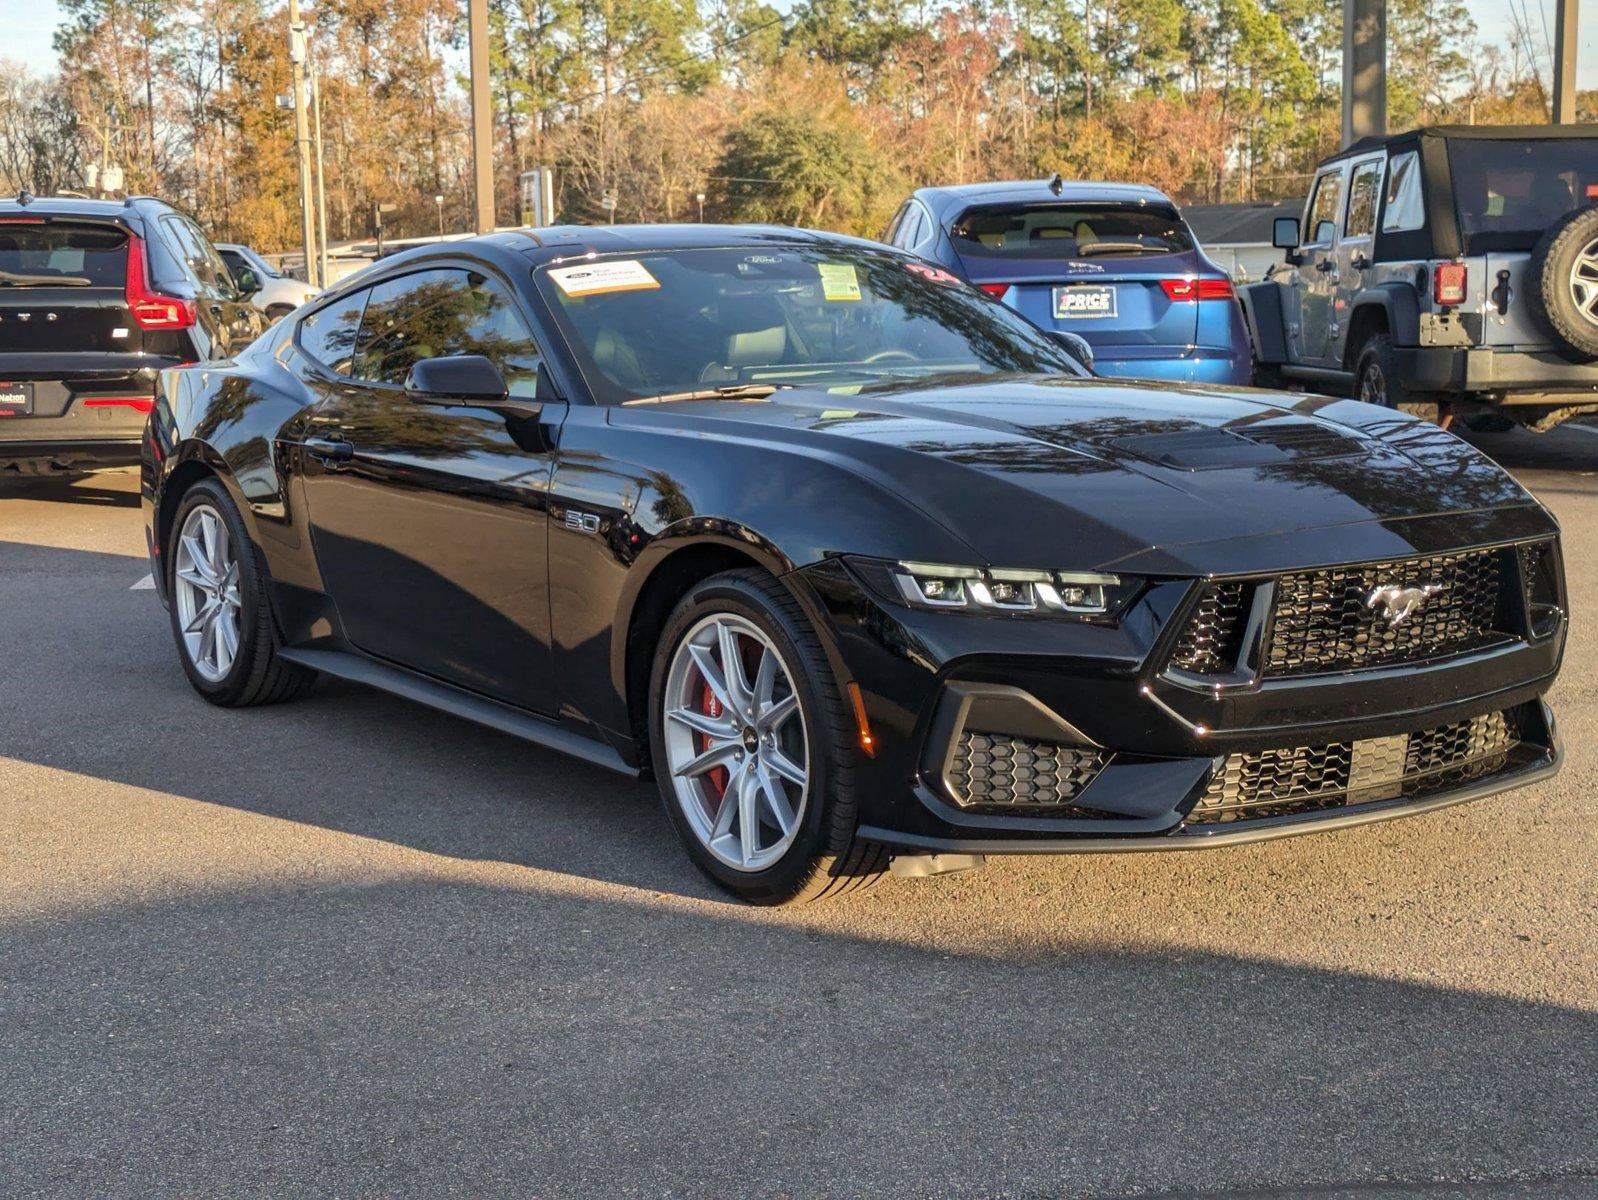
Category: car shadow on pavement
[402,1034]
[67,490]
[508,979]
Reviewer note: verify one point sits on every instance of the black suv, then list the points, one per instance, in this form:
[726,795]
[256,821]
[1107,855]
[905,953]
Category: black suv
[96,297]
[1449,271]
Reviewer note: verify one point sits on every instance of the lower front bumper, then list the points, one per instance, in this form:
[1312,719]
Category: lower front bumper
[1209,837]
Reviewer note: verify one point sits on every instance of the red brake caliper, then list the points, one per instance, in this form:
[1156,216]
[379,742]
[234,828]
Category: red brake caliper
[711,707]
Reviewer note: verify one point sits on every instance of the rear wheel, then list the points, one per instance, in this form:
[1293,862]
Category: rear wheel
[1376,380]
[753,747]
[220,615]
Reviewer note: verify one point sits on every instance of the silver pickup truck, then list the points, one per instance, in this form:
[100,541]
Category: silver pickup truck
[1451,272]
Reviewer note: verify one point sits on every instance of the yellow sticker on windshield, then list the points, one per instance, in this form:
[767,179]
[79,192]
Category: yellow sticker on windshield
[839,281]
[598,278]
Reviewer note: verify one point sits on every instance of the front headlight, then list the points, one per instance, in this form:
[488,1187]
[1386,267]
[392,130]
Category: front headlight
[1085,594]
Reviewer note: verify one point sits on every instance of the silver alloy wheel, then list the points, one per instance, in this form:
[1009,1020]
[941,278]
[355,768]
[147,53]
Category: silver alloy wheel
[1584,282]
[735,742]
[205,583]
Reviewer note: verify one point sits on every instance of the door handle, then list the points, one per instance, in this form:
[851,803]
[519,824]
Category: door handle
[1359,262]
[329,449]
[1325,265]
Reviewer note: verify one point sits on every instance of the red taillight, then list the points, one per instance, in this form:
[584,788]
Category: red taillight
[142,404]
[149,307]
[1448,284]
[1197,289]
[995,289]
[21,220]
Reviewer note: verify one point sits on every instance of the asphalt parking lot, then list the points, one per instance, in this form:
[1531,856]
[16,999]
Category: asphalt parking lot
[353,947]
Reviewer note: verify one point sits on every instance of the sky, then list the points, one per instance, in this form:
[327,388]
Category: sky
[27,37]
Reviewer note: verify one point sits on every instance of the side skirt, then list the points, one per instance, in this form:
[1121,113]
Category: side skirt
[503,717]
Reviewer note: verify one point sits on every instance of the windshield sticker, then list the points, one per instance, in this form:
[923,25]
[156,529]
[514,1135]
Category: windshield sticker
[597,279]
[839,281]
[930,274]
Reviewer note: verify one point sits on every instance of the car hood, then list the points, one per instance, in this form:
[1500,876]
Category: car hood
[1088,472]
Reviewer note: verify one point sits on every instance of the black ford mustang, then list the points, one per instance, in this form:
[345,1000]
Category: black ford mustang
[854,559]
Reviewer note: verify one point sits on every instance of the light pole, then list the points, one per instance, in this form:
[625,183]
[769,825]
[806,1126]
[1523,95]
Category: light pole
[700,196]
[438,203]
[302,138]
[321,186]
[482,120]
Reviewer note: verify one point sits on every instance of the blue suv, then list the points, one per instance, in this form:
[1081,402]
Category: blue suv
[1113,262]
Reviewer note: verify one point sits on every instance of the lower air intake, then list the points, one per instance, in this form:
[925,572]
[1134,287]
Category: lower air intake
[995,773]
[1272,783]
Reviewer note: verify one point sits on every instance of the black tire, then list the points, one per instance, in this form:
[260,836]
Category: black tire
[824,859]
[257,674]
[1550,296]
[1376,380]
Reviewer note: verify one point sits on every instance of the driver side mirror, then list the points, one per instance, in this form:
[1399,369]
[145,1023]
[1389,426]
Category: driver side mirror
[1284,233]
[468,379]
[247,281]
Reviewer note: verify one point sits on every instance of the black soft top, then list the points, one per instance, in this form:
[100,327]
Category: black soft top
[1442,238]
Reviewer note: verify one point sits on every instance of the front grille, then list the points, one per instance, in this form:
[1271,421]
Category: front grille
[1214,635]
[1325,620]
[1270,783]
[997,773]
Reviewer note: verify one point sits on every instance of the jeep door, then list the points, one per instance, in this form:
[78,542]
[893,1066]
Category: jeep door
[1312,292]
[1354,254]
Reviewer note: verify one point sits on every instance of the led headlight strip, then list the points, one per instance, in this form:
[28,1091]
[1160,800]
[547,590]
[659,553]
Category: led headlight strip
[939,585]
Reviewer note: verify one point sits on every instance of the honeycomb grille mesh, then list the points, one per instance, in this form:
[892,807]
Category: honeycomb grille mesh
[1323,620]
[997,773]
[1270,783]
[1213,638]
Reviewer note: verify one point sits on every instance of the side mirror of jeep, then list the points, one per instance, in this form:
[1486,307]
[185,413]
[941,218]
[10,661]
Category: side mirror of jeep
[1284,233]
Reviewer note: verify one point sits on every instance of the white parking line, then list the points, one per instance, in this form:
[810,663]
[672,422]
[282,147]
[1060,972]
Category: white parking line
[147,584]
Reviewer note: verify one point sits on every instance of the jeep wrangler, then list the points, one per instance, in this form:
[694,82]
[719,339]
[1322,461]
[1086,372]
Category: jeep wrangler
[1451,272]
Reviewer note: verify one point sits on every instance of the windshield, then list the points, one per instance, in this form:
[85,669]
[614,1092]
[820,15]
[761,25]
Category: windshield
[1069,231]
[60,254]
[1510,192]
[834,317]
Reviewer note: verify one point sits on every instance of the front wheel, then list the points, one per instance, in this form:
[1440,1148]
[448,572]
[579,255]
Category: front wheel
[753,747]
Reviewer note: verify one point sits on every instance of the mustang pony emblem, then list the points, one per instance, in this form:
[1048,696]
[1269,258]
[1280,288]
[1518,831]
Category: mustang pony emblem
[1399,604]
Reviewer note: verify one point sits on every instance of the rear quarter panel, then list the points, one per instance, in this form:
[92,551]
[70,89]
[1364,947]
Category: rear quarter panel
[226,420]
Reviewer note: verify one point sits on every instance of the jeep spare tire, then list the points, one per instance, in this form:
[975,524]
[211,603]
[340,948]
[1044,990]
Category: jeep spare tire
[1563,283]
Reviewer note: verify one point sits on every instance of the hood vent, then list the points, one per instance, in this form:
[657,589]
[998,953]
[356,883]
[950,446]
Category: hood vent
[1258,444]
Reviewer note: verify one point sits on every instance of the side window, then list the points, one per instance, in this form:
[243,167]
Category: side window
[1405,211]
[328,334]
[433,314]
[493,327]
[910,229]
[1321,228]
[212,267]
[197,253]
[1361,219]
[891,234]
[402,322]
[926,235]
